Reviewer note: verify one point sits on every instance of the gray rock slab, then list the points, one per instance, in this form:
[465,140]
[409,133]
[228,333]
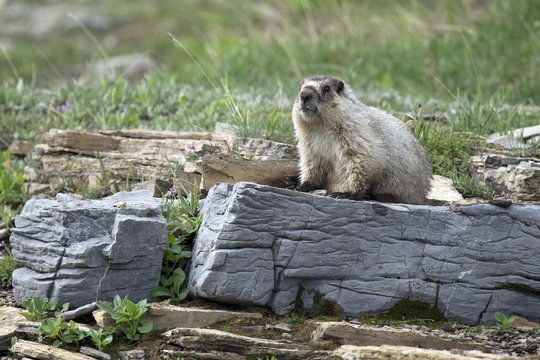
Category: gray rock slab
[262,245]
[81,251]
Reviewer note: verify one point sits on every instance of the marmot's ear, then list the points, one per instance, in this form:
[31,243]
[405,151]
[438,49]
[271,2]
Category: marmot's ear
[340,86]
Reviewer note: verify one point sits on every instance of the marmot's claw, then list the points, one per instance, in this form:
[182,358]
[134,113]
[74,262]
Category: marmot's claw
[305,187]
[291,181]
[348,196]
[501,202]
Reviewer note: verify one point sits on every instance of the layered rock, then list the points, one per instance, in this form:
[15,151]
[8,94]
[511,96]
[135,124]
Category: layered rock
[268,246]
[81,251]
[515,178]
[118,159]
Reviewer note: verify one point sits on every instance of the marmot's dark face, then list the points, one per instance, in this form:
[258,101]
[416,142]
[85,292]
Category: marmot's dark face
[318,91]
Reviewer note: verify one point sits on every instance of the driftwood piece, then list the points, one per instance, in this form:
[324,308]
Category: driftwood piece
[232,169]
[268,246]
[210,340]
[365,335]
[120,158]
[39,351]
[9,318]
[389,352]
[166,316]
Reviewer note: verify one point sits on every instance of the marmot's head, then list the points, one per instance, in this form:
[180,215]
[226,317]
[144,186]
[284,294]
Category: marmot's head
[318,94]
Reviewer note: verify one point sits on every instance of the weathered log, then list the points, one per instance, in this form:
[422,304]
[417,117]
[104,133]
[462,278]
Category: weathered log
[232,169]
[389,352]
[9,317]
[269,246]
[208,340]
[39,351]
[165,316]
[365,335]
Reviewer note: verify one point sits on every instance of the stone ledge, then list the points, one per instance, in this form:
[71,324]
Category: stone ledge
[262,245]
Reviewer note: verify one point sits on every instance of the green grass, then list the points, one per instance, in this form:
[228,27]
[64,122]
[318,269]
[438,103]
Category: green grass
[475,62]
[415,47]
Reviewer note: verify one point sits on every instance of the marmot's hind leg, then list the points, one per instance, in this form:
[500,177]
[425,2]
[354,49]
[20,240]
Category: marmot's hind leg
[350,196]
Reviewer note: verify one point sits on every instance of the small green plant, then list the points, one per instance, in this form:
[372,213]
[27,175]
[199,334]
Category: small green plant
[128,316]
[11,180]
[476,329]
[7,265]
[295,319]
[183,223]
[504,322]
[99,339]
[12,194]
[14,340]
[60,331]
[37,308]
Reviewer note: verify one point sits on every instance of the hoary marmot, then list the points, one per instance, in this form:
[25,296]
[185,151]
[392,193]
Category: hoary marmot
[353,150]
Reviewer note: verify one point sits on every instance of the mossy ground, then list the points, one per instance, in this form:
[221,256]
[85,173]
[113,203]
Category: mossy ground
[409,312]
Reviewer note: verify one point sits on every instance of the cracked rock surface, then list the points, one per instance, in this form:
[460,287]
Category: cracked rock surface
[80,251]
[268,246]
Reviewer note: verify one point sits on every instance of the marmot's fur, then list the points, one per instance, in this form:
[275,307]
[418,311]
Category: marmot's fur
[353,150]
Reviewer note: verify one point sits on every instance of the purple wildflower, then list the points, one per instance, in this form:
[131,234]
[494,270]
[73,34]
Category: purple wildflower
[174,189]
[192,145]
[63,107]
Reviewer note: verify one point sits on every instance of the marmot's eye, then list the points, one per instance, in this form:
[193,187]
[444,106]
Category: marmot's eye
[326,88]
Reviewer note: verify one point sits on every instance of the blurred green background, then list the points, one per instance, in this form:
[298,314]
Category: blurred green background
[429,48]
[473,65]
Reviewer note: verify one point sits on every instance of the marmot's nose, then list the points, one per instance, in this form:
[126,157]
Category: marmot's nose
[306,95]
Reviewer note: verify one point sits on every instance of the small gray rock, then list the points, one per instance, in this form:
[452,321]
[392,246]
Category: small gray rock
[82,251]
[132,355]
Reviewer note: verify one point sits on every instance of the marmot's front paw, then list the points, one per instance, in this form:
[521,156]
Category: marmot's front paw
[305,187]
[349,196]
[292,181]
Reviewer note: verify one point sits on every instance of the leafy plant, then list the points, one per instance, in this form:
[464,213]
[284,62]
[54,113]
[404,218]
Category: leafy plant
[12,194]
[504,322]
[37,308]
[448,152]
[128,316]
[476,329]
[7,265]
[14,340]
[97,337]
[11,180]
[183,222]
[294,319]
[60,331]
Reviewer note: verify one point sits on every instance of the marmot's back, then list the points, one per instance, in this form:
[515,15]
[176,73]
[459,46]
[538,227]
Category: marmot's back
[353,150]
